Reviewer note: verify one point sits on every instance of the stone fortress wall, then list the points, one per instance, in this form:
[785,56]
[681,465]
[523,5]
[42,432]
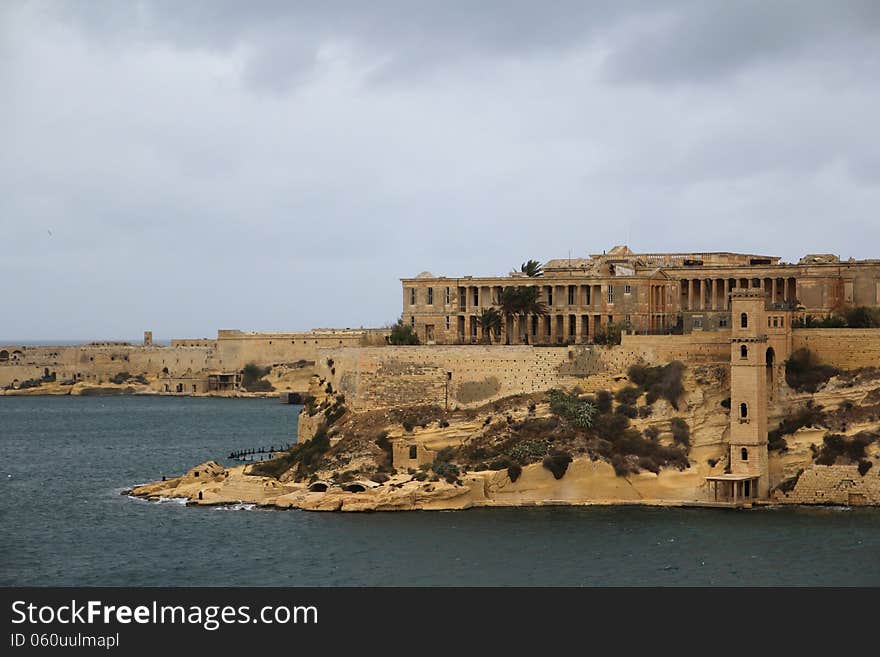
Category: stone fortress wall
[470,375]
[190,359]
[846,349]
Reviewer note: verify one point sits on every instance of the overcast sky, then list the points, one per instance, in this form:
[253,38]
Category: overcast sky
[189,166]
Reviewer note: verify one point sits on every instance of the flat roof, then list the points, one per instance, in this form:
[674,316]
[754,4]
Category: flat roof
[732,477]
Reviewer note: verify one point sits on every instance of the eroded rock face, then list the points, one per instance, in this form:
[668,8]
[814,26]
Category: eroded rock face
[586,481]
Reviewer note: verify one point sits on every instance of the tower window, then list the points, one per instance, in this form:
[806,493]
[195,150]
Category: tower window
[627,289]
[430,296]
[447,296]
[744,454]
[412,296]
[744,320]
[743,410]
[744,351]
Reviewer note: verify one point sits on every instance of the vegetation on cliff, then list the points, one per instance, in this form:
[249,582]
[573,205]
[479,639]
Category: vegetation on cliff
[252,378]
[804,372]
[659,381]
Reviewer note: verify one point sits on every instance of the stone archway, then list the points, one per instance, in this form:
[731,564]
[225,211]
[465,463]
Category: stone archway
[770,360]
[4,356]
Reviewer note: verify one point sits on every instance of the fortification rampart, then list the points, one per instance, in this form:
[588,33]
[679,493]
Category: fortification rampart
[847,349]
[834,484]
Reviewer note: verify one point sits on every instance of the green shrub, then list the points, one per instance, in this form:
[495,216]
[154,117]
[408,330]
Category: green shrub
[652,432]
[628,395]
[649,464]
[402,334]
[627,410]
[380,478]
[835,446]
[661,381]
[448,471]
[681,432]
[808,416]
[804,372]
[526,451]
[557,463]
[610,426]
[304,456]
[603,401]
[408,426]
[384,443]
[864,466]
[578,411]
[252,378]
[609,334]
[645,411]
[443,423]
[120,378]
[514,470]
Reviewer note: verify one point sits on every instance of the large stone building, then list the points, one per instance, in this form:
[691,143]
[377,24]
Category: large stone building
[642,292]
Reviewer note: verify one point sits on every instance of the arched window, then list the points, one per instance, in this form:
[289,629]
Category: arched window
[743,410]
[744,320]
[744,351]
[744,454]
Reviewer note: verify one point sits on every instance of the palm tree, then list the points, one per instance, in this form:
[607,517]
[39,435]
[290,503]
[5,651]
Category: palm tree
[532,268]
[530,304]
[489,321]
[508,303]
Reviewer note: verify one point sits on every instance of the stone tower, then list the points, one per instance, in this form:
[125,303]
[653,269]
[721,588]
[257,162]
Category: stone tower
[749,356]
[148,338]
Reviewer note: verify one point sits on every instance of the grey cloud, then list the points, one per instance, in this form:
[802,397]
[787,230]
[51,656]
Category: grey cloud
[281,165]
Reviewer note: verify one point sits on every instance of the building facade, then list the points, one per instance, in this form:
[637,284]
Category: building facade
[648,293]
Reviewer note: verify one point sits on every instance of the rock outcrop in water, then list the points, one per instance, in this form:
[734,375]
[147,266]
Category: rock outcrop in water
[423,458]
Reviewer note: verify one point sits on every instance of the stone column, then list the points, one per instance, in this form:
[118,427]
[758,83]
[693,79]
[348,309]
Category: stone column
[690,305]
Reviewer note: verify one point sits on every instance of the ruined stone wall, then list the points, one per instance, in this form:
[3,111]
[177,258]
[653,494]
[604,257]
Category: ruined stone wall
[834,484]
[470,375]
[100,362]
[710,347]
[235,349]
[847,349]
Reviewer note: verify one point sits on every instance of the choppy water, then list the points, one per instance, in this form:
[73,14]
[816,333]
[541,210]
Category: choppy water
[64,522]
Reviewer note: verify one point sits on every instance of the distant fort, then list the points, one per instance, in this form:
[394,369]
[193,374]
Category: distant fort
[188,366]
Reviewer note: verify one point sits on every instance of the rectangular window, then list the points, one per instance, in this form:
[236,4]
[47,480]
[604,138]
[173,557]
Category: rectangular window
[627,320]
[550,296]
[412,321]
[447,296]
[722,323]
[571,289]
[413,451]
[430,296]
[412,296]
[627,289]
[782,321]
[476,296]
[610,294]
[447,322]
